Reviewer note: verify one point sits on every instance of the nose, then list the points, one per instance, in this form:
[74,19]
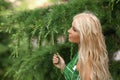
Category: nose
[69,30]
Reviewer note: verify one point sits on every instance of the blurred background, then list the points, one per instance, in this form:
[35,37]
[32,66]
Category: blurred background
[31,31]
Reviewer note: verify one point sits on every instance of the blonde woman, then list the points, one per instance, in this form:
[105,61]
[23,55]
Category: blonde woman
[91,61]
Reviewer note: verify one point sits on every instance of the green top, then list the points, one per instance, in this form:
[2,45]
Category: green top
[70,71]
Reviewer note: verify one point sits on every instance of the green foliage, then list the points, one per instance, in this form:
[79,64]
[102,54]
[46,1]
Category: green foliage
[115,70]
[4,53]
[4,40]
[31,62]
[36,65]
[4,5]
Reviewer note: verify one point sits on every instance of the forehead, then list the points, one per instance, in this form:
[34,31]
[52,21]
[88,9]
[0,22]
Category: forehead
[73,23]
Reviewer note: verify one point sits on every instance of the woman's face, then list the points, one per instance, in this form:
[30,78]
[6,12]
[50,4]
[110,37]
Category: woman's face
[73,34]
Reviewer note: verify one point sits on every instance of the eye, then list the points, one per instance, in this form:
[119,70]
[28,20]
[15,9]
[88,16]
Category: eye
[74,29]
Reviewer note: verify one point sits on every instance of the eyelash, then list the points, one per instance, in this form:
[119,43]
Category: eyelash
[74,29]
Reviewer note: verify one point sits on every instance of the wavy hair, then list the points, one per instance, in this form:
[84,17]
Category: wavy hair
[92,46]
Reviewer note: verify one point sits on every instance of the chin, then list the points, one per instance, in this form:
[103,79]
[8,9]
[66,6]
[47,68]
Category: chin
[70,41]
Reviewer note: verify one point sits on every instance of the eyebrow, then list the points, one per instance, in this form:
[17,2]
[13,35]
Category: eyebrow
[74,27]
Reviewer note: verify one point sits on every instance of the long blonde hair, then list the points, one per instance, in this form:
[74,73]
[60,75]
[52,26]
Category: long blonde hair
[92,46]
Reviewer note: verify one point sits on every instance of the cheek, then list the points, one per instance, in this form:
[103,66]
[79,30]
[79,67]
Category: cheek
[74,38]
[77,39]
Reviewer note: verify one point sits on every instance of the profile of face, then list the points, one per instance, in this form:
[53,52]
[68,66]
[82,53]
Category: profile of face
[85,26]
[74,36]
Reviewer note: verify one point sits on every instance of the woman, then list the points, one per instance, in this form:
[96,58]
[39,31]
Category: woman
[91,61]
